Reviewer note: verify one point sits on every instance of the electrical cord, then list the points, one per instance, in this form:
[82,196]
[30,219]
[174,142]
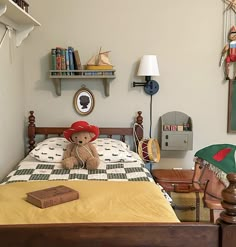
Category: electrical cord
[150,130]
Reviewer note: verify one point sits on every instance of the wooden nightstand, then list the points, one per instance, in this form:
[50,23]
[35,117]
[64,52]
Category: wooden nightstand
[178,181]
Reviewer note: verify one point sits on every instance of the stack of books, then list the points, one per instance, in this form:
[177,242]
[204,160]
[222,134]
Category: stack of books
[66,60]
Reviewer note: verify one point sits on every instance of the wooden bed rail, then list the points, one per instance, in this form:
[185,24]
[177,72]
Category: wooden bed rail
[33,130]
[111,235]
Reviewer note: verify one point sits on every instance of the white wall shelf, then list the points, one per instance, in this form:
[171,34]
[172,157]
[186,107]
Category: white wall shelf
[58,75]
[15,17]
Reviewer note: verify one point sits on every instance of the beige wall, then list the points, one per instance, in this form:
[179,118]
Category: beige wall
[11,104]
[185,35]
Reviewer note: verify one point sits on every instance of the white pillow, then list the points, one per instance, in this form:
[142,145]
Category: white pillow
[112,150]
[50,150]
[109,150]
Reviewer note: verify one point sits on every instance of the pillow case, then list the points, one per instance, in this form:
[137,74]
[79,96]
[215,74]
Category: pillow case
[112,150]
[50,150]
[109,150]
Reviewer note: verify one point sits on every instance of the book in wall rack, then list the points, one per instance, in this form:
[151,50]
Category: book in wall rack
[13,16]
[105,75]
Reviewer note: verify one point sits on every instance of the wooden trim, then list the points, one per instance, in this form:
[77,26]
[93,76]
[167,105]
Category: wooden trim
[116,234]
[110,132]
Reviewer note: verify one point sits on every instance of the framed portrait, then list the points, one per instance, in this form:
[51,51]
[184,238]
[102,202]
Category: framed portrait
[84,101]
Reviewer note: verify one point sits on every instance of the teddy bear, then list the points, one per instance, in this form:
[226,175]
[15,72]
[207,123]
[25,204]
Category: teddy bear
[80,151]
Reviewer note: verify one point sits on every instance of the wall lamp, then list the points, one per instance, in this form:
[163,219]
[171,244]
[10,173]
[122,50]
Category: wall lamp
[148,67]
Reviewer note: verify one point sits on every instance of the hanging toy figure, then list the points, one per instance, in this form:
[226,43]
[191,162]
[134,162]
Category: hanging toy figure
[229,52]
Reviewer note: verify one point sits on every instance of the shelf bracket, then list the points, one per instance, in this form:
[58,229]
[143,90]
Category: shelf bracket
[3,9]
[106,85]
[23,34]
[57,84]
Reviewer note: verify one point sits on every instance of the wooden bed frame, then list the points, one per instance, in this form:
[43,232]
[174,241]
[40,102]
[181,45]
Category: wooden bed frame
[222,234]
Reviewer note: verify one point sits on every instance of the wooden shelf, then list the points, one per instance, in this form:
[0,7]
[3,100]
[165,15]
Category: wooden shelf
[58,75]
[15,17]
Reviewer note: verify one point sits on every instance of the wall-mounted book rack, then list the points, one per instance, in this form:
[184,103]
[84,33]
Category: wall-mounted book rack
[58,75]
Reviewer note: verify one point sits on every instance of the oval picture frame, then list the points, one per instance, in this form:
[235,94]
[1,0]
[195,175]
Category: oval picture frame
[84,101]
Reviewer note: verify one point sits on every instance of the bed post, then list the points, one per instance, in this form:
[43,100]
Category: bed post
[139,127]
[31,131]
[228,217]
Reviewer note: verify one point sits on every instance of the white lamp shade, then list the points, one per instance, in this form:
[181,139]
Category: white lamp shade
[148,66]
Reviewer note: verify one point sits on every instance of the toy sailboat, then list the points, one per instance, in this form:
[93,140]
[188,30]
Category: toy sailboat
[100,61]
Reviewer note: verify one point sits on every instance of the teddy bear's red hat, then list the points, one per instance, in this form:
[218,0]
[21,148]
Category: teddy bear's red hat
[81,126]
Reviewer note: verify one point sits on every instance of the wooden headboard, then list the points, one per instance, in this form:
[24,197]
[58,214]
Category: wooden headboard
[33,130]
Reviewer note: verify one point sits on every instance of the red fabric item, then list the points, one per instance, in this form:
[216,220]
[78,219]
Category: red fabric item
[81,126]
[219,156]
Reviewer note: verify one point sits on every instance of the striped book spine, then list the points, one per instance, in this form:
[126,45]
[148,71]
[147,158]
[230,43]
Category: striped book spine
[63,61]
[58,59]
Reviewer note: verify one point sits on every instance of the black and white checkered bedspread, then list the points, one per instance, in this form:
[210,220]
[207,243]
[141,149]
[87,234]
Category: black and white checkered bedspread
[33,170]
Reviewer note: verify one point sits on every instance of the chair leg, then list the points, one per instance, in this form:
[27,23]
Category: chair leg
[214,214]
[197,207]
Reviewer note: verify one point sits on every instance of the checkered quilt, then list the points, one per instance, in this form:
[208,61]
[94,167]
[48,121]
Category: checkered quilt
[32,170]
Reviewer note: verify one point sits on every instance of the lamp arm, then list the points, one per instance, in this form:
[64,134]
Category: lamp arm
[139,84]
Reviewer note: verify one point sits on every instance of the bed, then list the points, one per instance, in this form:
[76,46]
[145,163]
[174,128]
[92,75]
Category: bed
[108,227]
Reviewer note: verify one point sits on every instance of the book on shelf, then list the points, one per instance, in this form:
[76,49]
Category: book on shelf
[52,196]
[67,61]
[58,59]
[53,60]
[71,59]
[63,61]
[78,65]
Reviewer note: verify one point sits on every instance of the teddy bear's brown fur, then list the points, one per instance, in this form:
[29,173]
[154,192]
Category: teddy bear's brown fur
[81,152]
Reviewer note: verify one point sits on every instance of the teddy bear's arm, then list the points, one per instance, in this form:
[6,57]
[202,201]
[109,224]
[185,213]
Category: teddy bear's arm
[69,148]
[93,150]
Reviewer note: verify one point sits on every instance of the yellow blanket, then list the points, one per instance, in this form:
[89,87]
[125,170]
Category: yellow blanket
[100,201]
